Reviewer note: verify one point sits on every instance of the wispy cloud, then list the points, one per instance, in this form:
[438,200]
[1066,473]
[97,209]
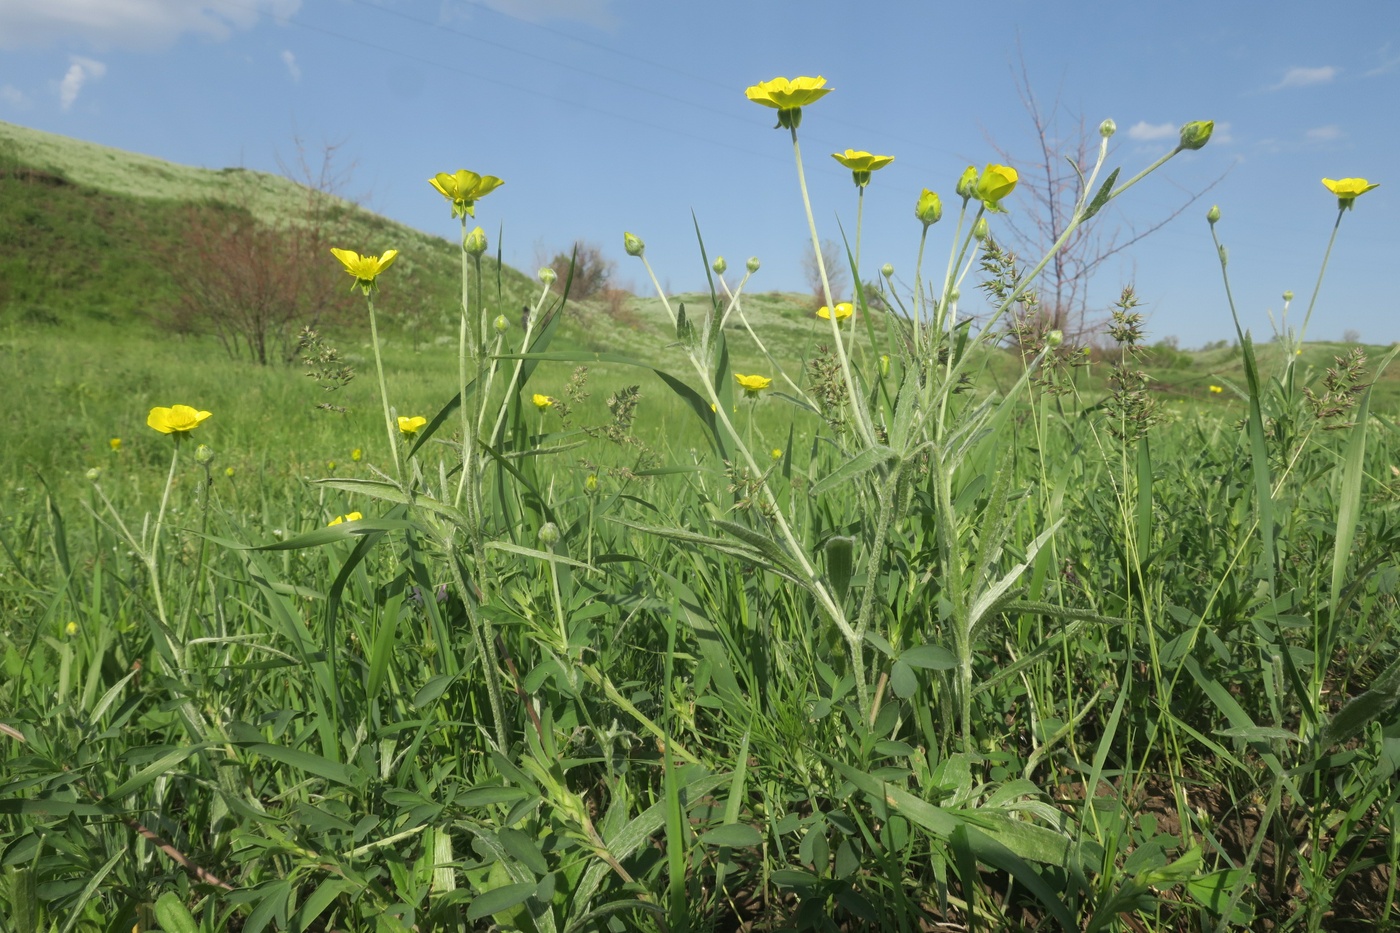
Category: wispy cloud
[1306,77]
[1142,131]
[1389,61]
[13,96]
[1322,134]
[1222,135]
[129,24]
[290,60]
[80,72]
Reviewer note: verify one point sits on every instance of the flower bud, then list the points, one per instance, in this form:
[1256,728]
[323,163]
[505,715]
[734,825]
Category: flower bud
[719,265]
[501,324]
[967,184]
[356,454]
[752,264]
[475,243]
[884,364]
[330,466]
[93,474]
[204,454]
[929,208]
[228,471]
[980,230]
[549,534]
[633,244]
[776,453]
[887,270]
[1196,135]
[590,483]
[547,275]
[1213,214]
[1288,296]
[1107,128]
[1054,338]
[71,629]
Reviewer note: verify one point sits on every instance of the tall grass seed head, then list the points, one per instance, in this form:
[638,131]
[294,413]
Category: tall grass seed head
[929,209]
[464,189]
[1348,190]
[861,164]
[995,183]
[788,97]
[752,385]
[1196,135]
[176,420]
[633,244]
[409,426]
[365,269]
[475,242]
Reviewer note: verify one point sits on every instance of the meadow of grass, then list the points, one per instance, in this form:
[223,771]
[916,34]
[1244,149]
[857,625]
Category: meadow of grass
[920,639]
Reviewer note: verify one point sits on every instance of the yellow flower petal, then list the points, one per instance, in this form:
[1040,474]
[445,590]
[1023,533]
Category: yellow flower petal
[411,425]
[176,419]
[752,385]
[843,310]
[1348,189]
[995,183]
[542,401]
[782,94]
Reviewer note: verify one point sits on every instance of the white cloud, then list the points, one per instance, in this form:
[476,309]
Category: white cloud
[1142,131]
[1322,134]
[80,71]
[290,61]
[1306,77]
[131,24]
[13,96]
[1220,136]
[592,12]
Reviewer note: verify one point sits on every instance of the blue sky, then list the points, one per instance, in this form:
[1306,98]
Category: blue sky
[612,115]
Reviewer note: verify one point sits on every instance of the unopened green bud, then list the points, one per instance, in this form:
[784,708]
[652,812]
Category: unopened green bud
[752,264]
[547,275]
[549,534]
[887,270]
[1196,135]
[204,454]
[1107,128]
[929,207]
[980,230]
[93,474]
[1287,296]
[590,483]
[967,184]
[475,243]
[633,244]
[501,324]
[1054,338]
[1213,214]
[719,265]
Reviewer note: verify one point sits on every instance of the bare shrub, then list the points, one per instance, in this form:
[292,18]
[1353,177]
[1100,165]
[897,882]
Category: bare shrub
[837,272]
[592,271]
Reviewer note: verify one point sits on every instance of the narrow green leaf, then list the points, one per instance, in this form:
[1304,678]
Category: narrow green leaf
[861,463]
[1101,198]
[734,835]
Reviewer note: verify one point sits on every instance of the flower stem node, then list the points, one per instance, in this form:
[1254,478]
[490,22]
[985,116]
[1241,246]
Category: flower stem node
[788,97]
[475,242]
[1196,135]
[1213,215]
[929,208]
[752,265]
[719,265]
[204,454]
[1107,128]
[1348,190]
[633,244]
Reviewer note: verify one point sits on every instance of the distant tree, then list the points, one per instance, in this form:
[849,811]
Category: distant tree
[838,272]
[592,271]
[1351,336]
[254,282]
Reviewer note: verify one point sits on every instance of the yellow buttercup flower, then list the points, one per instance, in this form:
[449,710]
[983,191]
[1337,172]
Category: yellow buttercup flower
[843,310]
[351,517]
[71,629]
[176,419]
[464,189]
[356,454]
[228,471]
[1216,390]
[861,164]
[410,426]
[542,401]
[752,385]
[788,97]
[776,453]
[364,268]
[995,183]
[115,443]
[1348,190]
